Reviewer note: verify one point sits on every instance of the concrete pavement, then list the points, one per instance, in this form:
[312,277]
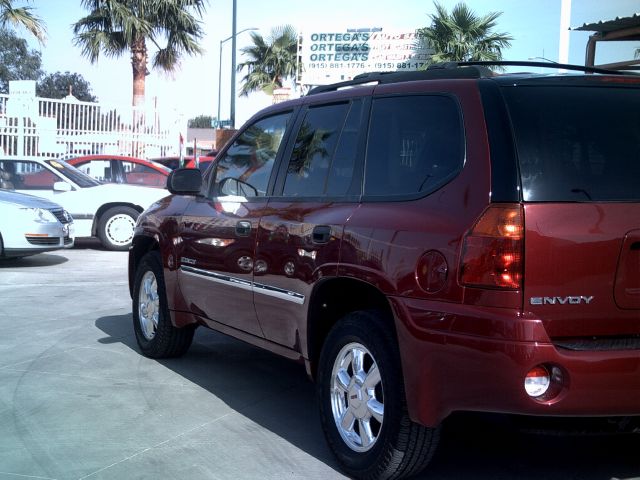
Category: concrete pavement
[78,401]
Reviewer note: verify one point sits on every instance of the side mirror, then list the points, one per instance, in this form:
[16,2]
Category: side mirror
[61,187]
[185,181]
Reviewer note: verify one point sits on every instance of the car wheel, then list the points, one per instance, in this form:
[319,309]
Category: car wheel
[362,402]
[116,227]
[156,336]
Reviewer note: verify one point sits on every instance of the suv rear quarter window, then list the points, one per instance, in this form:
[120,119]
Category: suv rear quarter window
[415,145]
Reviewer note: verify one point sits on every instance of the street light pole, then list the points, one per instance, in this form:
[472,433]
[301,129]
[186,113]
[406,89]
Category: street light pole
[543,58]
[233,81]
[234,34]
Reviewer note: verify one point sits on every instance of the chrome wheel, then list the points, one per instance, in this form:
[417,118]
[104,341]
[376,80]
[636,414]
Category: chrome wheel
[119,229]
[148,305]
[357,401]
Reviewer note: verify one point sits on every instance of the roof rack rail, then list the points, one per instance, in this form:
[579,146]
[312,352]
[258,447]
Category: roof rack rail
[452,70]
[508,63]
[394,77]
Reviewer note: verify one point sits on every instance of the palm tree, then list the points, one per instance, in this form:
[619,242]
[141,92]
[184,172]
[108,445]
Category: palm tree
[271,61]
[115,27]
[463,36]
[21,17]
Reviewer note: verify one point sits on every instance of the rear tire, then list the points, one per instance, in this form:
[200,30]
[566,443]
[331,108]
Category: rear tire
[155,334]
[116,227]
[362,402]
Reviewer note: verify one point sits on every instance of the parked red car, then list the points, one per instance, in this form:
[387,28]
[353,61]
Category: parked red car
[122,169]
[424,243]
[189,161]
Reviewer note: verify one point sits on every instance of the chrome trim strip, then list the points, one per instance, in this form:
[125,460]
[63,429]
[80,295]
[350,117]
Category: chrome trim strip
[280,293]
[216,277]
[268,290]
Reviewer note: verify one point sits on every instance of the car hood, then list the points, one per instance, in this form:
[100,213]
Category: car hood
[25,200]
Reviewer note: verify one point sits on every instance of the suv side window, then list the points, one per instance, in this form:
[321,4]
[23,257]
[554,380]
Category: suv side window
[245,168]
[320,142]
[415,145]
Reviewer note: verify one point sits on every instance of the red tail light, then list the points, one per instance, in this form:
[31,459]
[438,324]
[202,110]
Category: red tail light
[492,250]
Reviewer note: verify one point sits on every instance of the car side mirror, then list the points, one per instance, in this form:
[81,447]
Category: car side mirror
[61,187]
[185,181]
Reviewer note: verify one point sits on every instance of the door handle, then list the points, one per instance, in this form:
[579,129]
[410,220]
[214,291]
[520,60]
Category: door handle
[321,234]
[243,229]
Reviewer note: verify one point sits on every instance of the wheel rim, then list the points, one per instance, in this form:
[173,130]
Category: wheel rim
[119,229]
[148,305]
[357,401]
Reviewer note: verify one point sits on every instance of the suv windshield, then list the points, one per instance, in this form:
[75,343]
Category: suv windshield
[577,143]
[72,173]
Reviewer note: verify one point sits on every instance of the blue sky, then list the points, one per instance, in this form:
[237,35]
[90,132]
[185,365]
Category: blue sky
[534,24]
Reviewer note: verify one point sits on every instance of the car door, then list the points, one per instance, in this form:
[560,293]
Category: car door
[299,236]
[219,230]
[137,173]
[28,176]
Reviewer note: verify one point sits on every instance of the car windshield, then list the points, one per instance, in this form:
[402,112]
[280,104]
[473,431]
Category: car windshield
[577,144]
[72,173]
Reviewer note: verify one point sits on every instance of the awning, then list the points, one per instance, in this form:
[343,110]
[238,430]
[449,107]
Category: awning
[618,29]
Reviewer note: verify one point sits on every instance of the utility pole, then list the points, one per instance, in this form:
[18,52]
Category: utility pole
[565,20]
[232,114]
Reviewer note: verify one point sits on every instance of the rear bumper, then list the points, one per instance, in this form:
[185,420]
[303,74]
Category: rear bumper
[447,370]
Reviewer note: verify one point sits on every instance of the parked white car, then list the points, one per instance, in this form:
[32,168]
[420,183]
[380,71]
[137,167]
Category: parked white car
[31,225]
[107,211]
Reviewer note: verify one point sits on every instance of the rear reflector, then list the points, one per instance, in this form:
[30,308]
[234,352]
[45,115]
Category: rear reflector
[492,250]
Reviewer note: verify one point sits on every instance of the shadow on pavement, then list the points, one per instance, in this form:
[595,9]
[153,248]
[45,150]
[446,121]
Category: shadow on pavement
[88,243]
[269,390]
[276,394]
[39,260]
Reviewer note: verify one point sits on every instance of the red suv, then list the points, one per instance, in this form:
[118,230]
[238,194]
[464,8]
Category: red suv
[424,243]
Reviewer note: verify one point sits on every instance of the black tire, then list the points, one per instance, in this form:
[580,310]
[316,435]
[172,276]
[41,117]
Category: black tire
[401,447]
[116,226]
[155,334]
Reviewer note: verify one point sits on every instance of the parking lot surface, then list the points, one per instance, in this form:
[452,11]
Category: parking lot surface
[78,401]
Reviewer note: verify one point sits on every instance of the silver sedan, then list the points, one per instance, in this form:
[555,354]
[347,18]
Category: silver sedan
[31,225]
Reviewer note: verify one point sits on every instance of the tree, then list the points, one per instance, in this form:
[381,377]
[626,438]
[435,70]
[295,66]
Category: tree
[17,62]
[21,17]
[463,36]
[59,85]
[116,27]
[201,121]
[271,61]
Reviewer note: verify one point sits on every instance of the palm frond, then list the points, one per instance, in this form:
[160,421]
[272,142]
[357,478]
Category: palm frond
[22,17]
[270,61]
[463,35]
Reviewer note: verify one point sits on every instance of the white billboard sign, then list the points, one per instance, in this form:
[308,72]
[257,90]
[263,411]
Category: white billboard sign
[329,56]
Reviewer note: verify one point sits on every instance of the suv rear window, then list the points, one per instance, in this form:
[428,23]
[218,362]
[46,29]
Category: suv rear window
[577,144]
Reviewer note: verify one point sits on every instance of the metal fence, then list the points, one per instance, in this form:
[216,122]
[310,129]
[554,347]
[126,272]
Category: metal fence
[53,128]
